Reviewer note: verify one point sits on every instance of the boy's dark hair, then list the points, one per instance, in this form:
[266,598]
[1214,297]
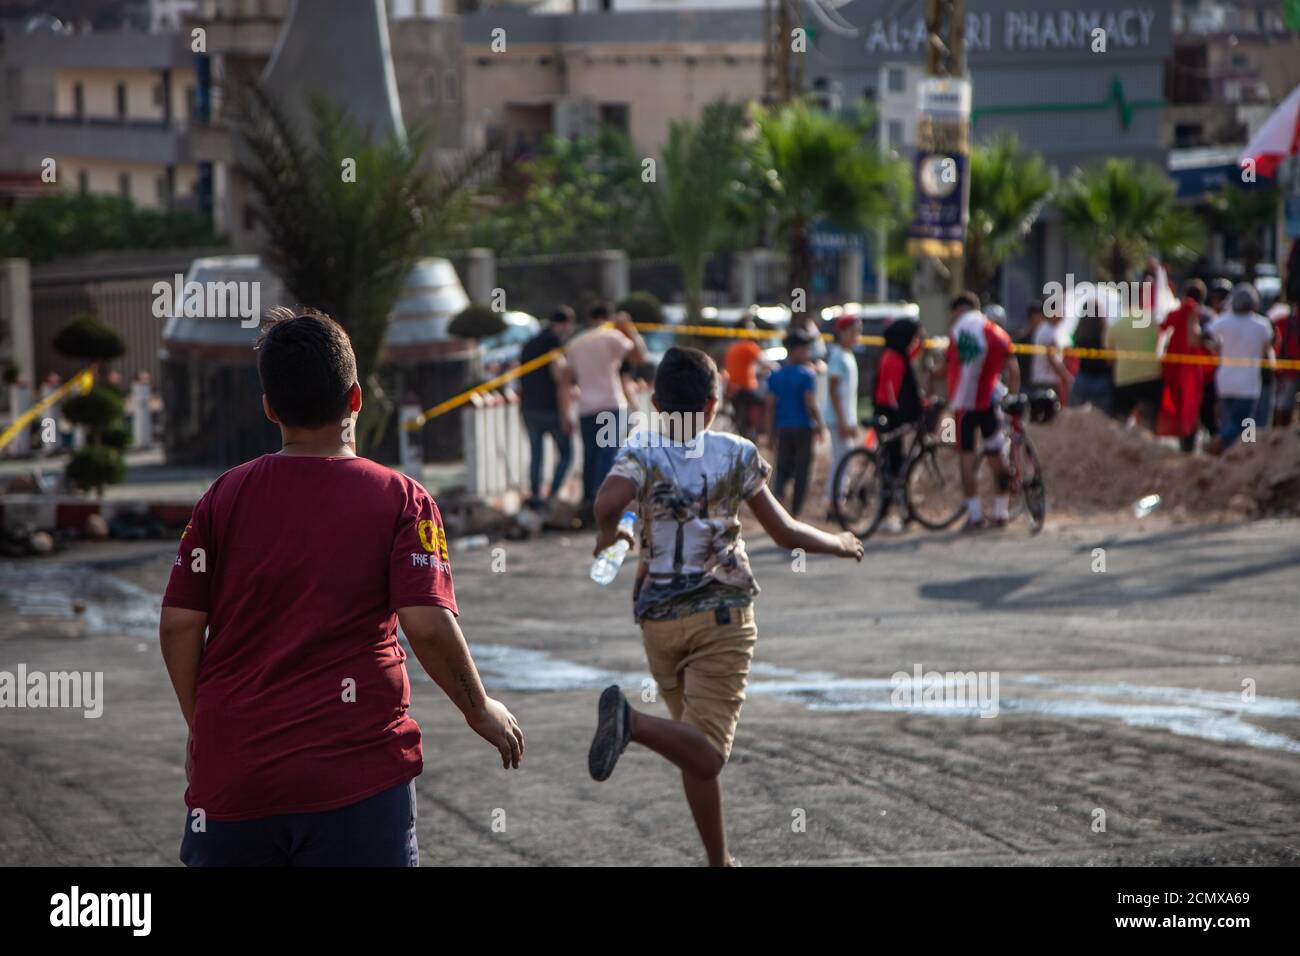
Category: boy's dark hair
[797,339]
[966,300]
[307,367]
[599,312]
[1195,290]
[685,380]
[562,314]
[1037,307]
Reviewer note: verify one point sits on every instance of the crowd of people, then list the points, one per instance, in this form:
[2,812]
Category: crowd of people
[302,751]
[1197,367]
[1202,365]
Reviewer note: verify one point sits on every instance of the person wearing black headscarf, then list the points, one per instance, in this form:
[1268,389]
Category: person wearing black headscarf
[898,399]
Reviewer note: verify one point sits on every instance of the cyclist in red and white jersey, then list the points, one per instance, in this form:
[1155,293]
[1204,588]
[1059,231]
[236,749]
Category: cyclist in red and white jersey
[979,354]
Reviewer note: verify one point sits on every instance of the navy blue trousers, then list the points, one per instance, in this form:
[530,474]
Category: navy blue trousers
[377,831]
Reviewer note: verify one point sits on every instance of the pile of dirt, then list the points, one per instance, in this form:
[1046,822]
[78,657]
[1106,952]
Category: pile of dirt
[1093,464]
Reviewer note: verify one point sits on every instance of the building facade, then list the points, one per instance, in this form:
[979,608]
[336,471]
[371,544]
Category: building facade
[532,75]
[111,110]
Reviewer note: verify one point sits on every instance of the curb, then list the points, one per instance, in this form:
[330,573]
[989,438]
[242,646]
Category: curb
[67,512]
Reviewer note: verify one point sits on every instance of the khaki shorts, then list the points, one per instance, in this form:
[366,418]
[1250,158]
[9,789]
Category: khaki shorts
[701,666]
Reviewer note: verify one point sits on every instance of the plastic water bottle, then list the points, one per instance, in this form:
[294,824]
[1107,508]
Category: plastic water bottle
[605,568]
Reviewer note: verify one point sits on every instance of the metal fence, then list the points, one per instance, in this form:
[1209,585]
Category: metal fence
[125,305]
[117,288]
[662,278]
[537,284]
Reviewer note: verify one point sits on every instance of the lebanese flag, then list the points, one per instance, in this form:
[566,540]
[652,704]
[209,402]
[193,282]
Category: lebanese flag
[1277,139]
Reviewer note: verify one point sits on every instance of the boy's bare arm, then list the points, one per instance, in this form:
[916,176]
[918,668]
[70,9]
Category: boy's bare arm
[613,498]
[440,647]
[788,533]
[180,637]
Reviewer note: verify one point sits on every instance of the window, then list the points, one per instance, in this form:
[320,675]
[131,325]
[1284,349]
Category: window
[78,100]
[83,182]
[160,189]
[897,79]
[895,133]
[124,185]
[121,101]
[158,95]
[615,115]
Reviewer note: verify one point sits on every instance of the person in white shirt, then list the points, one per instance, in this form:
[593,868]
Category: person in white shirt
[1241,337]
[1047,370]
[840,411]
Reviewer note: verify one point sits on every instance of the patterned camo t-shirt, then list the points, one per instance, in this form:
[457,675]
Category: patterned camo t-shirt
[688,502]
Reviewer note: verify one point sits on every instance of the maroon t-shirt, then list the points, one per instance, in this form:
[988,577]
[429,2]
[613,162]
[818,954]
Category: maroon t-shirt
[301,564]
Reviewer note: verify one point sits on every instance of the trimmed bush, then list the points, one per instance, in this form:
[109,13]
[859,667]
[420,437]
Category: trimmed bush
[90,340]
[477,322]
[643,307]
[118,436]
[98,409]
[96,466]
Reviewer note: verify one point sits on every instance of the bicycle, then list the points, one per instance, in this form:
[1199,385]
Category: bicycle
[930,492]
[1028,488]
[866,490]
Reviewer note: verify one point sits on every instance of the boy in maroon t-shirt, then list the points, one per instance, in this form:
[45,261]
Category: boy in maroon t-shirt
[299,565]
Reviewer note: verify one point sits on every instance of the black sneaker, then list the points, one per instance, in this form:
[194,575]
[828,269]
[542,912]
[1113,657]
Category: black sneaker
[613,732]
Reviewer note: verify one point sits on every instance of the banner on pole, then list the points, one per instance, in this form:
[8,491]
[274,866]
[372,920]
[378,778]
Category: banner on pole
[942,172]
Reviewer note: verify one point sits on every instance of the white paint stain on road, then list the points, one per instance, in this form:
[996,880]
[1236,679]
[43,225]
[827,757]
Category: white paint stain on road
[111,606]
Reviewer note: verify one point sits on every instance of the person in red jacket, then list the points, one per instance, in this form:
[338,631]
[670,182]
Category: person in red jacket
[1180,406]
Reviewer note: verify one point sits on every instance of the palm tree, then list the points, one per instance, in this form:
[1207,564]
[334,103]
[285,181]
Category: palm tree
[820,166]
[343,242]
[1246,214]
[1122,212]
[702,168]
[1008,189]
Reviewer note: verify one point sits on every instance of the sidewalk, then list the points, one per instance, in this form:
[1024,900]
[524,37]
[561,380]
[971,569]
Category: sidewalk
[151,486]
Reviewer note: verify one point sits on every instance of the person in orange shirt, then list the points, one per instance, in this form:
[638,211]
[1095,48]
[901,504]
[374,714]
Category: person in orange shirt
[741,362]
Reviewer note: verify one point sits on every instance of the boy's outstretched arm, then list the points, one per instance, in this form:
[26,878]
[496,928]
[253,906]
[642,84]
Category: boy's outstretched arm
[440,647]
[788,533]
[612,499]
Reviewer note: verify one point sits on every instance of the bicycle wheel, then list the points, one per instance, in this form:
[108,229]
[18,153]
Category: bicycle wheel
[1033,489]
[934,495]
[858,499]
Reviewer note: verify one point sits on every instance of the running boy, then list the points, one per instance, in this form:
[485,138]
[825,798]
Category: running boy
[299,566]
[694,595]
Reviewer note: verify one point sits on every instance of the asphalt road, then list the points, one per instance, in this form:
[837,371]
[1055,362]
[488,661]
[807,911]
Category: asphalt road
[1160,696]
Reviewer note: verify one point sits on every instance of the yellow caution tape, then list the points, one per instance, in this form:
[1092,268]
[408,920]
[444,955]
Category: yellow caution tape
[80,382]
[934,343]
